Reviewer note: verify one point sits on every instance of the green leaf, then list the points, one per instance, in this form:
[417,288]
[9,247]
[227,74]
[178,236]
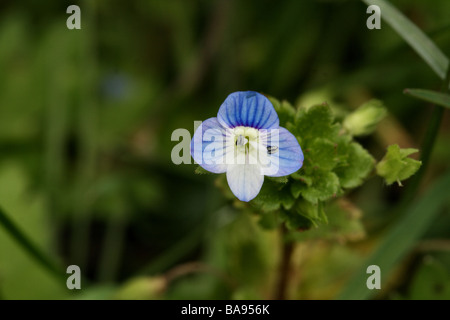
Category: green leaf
[356,164]
[396,166]
[415,37]
[321,154]
[400,239]
[295,221]
[325,185]
[315,122]
[278,179]
[364,120]
[286,112]
[312,212]
[303,178]
[438,98]
[297,187]
[272,196]
[344,224]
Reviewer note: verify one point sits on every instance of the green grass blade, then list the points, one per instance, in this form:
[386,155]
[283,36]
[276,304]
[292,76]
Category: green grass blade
[400,239]
[415,37]
[437,98]
[28,245]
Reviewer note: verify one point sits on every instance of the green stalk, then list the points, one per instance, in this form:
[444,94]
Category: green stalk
[426,148]
[30,247]
[284,267]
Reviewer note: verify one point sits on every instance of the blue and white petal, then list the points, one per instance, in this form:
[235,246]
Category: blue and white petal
[209,146]
[286,155]
[245,180]
[248,109]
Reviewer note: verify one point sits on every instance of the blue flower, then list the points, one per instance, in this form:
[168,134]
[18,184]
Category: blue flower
[246,141]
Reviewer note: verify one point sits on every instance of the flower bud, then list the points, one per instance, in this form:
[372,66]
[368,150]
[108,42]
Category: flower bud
[364,120]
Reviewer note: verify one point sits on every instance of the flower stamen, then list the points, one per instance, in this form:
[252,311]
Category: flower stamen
[272,149]
[241,140]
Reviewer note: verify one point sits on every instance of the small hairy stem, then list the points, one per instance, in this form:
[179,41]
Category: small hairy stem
[285,267]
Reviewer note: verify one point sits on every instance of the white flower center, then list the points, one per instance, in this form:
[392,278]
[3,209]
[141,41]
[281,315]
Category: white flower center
[249,146]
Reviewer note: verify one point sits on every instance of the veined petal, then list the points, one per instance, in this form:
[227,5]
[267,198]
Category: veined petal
[209,146]
[248,109]
[245,180]
[284,153]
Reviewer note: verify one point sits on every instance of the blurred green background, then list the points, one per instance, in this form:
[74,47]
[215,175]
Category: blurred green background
[86,118]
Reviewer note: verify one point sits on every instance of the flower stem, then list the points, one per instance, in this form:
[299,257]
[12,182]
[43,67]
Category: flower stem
[29,246]
[285,266]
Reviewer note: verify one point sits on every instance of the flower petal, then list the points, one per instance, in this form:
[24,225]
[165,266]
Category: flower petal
[287,155]
[245,180]
[249,109]
[209,146]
